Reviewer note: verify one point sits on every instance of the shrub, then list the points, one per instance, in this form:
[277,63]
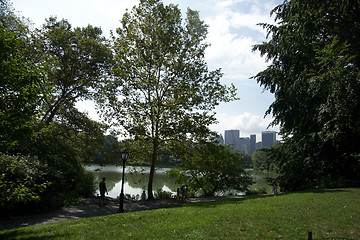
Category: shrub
[161,194]
[85,187]
[256,191]
[22,181]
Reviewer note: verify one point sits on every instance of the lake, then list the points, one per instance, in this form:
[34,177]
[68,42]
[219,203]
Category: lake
[136,179]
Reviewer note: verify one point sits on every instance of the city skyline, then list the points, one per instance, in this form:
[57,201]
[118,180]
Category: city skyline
[257,134]
[248,144]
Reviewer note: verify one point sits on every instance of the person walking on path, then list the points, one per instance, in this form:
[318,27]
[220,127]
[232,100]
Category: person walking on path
[103,189]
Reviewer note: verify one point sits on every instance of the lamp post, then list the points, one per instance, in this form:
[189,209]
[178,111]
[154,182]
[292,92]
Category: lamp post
[124,157]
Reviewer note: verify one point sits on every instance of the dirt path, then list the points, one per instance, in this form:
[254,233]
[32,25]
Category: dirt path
[90,208]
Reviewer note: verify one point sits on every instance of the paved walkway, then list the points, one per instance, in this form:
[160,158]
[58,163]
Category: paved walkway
[90,208]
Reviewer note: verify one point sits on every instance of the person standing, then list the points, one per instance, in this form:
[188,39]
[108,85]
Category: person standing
[143,196]
[185,191]
[103,189]
[178,193]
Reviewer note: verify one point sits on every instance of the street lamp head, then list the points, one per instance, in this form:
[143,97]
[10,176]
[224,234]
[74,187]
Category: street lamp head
[124,155]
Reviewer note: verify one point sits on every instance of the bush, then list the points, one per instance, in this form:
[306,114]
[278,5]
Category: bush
[30,185]
[256,191]
[22,181]
[161,194]
[86,187]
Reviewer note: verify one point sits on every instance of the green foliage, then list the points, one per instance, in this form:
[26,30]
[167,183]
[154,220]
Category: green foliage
[314,75]
[62,159]
[248,161]
[209,168]
[86,185]
[75,60]
[262,159]
[43,74]
[162,194]
[22,181]
[256,191]
[168,92]
[20,88]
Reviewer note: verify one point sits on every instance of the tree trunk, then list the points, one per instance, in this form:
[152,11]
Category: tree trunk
[152,168]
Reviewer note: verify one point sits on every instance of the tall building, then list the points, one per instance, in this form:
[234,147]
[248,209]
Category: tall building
[258,145]
[244,145]
[252,143]
[232,137]
[268,138]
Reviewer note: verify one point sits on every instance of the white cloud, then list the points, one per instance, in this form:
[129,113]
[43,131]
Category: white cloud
[224,4]
[233,30]
[231,51]
[118,9]
[232,34]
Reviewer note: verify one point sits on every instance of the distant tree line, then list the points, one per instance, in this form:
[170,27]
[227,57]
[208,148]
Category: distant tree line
[112,146]
[104,155]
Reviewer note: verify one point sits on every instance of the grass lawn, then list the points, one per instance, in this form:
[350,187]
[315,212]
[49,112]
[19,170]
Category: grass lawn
[329,214]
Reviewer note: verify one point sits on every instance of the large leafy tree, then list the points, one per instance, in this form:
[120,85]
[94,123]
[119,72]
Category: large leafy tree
[43,73]
[20,85]
[163,90]
[76,61]
[314,74]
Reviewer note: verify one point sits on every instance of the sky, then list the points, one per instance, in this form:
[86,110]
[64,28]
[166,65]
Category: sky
[232,32]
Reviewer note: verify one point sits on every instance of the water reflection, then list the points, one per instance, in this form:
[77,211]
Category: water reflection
[136,179]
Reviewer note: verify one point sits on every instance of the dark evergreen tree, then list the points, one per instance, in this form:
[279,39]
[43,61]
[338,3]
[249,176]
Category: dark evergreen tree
[314,74]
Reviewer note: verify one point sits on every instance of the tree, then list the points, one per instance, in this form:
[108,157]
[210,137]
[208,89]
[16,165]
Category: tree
[163,90]
[261,160]
[76,62]
[209,168]
[247,161]
[43,138]
[314,75]
[20,85]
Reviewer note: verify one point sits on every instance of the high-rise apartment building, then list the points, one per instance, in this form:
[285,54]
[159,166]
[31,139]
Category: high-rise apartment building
[268,138]
[244,145]
[252,143]
[232,137]
[247,145]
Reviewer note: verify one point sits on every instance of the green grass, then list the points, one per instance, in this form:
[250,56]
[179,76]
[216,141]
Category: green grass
[330,214]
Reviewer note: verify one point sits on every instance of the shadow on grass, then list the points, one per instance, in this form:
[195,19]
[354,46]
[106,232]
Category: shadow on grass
[326,190]
[30,235]
[217,202]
